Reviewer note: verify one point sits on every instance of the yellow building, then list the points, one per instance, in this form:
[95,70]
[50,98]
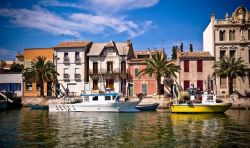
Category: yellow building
[32,89]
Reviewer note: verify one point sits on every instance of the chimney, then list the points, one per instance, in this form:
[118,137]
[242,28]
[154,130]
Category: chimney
[212,17]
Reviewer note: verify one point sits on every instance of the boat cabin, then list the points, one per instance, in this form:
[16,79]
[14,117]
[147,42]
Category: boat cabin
[109,97]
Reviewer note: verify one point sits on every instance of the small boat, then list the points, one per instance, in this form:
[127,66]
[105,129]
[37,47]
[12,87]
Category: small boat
[38,106]
[147,107]
[207,104]
[107,102]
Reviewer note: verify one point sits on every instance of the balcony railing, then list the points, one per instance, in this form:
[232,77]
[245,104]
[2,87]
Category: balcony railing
[77,60]
[106,71]
[66,60]
[66,77]
[77,77]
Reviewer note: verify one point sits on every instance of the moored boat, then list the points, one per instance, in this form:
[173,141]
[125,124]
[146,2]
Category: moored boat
[147,107]
[108,102]
[207,104]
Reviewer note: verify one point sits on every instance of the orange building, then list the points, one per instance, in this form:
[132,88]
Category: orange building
[32,89]
[144,84]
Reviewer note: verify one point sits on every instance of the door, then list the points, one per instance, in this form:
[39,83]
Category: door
[130,90]
[110,84]
[144,88]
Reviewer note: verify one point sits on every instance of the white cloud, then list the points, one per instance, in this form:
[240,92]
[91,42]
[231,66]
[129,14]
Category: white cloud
[57,3]
[42,19]
[7,54]
[114,6]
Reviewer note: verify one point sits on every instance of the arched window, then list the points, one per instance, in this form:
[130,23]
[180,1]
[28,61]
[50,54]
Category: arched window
[231,35]
[222,35]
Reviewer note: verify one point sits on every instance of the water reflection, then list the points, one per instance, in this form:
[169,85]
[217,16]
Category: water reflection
[146,129]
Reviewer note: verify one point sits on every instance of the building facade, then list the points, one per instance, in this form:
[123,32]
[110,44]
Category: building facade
[33,88]
[145,84]
[11,82]
[72,65]
[196,70]
[108,67]
[231,37]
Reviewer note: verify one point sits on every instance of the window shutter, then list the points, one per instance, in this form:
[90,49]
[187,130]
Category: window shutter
[186,66]
[186,84]
[200,84]
[199,66]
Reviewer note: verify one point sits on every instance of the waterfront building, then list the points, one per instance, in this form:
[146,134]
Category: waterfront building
[33,88]
[108,67]
[230,36]
[72,65]
[11,82]
[196,70]
[144,84]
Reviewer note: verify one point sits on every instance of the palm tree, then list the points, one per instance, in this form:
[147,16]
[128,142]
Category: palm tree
[159,66]
[40,71]
[231,68]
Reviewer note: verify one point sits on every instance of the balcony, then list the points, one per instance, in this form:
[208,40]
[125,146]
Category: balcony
[66,60]
[77,77]
[66,77]
[77,60]
[95,72]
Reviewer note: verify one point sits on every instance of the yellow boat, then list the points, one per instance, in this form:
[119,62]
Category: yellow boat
[208,104]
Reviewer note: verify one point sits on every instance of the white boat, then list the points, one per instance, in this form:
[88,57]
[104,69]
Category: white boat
[109,102]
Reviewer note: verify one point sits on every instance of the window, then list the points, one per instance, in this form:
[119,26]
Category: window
[95,98]
[223,82]
[249,56]
[222,35]
[28,86]
[231,35]
[232,53]
[38,86]
[77,57]
[95,84]
[186,66]
[136,72]
[27,64]
[123,67]
[66,57]
[199,66]
[110,84]
[109,66]
[95,67]
[186,84]
[107,98]
[200,85]
[222,53]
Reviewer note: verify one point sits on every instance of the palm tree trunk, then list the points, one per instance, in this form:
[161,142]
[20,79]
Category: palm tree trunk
[41,89]
[158,79]
[230,85]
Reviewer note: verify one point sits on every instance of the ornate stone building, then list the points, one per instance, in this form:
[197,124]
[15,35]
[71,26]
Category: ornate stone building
[229,36]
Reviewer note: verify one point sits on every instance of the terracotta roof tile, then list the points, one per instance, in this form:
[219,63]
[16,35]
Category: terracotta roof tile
[197,54]
[73,44]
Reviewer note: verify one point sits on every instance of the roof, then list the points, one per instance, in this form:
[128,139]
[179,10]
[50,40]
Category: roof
[19,55]
[197,54]
[69,44]
[96,48]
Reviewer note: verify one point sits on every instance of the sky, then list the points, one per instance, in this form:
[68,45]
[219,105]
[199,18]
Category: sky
[147,23]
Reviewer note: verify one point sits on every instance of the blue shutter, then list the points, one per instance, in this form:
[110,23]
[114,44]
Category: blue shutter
[6,87]
[12,87]
[19,86]
[1,86]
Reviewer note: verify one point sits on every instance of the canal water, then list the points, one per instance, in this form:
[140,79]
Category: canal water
[39,128]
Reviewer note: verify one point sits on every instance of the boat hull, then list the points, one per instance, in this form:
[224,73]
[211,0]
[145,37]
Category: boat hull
[90,107]
[200,108]
[147,107]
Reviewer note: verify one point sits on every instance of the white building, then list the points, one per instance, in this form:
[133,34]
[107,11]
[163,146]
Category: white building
[11,82]
[72,64]
[230,36]
[108,69]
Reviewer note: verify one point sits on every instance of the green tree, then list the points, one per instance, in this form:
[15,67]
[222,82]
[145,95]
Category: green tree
[191,47]
[158,66]
[231,68]
[181,47]
[40,71]
[16,67]
[174,52]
